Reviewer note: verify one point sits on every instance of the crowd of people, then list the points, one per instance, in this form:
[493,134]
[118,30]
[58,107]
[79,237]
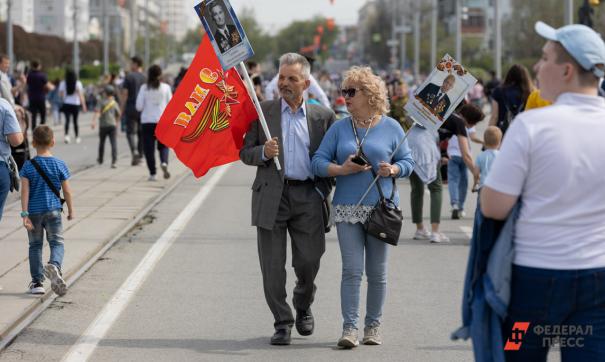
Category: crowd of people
[340,132]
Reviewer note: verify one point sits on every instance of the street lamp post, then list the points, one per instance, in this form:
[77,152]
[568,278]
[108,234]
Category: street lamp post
[147,33]
[498,40]
[459,31]
[76,48]
[568,19]
[433,32]
[9,35]
[133,40]
[105,38]
[417,39]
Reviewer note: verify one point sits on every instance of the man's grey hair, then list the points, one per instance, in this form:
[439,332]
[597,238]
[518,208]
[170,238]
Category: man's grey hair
[295,58]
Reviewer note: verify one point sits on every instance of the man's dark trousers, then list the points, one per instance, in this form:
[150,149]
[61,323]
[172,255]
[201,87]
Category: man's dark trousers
[299,215]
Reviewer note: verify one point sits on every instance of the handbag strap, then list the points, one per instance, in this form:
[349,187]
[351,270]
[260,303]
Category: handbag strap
[45,177]
[380,188]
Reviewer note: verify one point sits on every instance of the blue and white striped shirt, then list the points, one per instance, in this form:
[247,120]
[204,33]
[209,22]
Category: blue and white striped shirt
[41,197]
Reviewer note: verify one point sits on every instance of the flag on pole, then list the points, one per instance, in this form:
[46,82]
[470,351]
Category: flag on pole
[208,115]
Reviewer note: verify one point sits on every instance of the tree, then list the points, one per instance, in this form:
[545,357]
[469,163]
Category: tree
[261,42]
[300,34]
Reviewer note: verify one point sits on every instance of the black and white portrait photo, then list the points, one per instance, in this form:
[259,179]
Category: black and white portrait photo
[222,26]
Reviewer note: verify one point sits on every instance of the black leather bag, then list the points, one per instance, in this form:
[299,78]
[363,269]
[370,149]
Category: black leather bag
[386,220]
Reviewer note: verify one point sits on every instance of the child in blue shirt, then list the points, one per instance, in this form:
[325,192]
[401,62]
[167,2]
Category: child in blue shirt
[42,211]
[492,138]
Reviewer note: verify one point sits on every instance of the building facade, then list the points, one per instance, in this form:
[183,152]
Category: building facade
[57,17]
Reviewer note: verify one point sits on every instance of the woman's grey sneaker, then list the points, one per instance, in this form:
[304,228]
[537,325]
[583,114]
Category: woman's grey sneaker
[371,336]
[164,167]
[349,338]
[57,284]
[36,288]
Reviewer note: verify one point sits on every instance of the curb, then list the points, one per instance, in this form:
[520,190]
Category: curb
[12,331]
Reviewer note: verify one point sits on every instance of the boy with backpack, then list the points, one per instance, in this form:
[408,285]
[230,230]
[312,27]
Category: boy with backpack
[42,177]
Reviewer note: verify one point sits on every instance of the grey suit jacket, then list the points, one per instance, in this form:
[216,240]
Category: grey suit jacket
[269,183]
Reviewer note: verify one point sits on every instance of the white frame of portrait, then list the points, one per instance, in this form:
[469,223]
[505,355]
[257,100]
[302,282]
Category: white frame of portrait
[424,115]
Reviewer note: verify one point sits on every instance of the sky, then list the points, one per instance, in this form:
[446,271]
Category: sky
[276,14]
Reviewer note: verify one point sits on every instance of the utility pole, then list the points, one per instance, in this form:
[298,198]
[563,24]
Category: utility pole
[459,31]
[498,40]
[9,35]
[76,49]
[434,32]
[105,37]
[147,33]
[133,39]
[568,18]
[416,39]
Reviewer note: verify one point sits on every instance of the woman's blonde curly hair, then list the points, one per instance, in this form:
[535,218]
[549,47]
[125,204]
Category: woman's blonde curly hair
[371,85]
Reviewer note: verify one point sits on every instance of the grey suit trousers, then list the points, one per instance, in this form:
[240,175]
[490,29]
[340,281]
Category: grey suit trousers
[300,215]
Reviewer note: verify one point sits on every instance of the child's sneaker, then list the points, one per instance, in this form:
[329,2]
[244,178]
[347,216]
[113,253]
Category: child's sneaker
[78,140]
[67,139]
[57,284]
[36,288]
[113,165]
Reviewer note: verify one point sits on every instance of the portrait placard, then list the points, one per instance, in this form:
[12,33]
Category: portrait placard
[439,95]
[225,32]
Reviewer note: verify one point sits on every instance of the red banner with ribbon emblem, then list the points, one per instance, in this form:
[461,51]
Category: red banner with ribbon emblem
[208,115]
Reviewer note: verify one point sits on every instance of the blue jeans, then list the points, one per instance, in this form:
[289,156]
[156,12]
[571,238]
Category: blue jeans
[457,181]
[559,298]
[353,242]
[5,184]
[51,223]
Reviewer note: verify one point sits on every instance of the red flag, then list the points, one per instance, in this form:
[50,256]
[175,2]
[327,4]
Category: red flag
[208,115]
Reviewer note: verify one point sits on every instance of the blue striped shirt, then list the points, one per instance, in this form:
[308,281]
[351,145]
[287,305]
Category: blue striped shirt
[41,197]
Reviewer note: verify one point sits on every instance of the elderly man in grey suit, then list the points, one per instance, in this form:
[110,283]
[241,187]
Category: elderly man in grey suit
[290,200]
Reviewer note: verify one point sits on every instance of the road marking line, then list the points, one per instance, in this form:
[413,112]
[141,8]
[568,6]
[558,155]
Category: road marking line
[87,343]
[467,230]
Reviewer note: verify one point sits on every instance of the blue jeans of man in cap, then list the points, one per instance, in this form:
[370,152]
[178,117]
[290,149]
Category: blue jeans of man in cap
[49,222]
[557,300]
[357,248]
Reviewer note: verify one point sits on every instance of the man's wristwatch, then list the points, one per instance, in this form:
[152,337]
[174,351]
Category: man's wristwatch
[24,214]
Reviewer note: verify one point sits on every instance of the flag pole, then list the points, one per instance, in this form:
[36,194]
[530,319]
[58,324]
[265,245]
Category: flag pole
[261,117]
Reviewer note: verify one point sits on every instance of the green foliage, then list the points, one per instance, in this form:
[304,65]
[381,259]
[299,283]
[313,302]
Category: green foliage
[300,34]
[261,42]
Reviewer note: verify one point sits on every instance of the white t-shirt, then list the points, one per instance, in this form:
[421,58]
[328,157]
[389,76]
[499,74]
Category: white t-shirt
[453,147]
[552,158]
[151,102]
[73,99]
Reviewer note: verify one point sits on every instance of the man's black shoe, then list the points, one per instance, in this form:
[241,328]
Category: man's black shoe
[281,337]
[305,322]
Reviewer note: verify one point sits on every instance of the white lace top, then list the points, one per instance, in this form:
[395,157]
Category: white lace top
[344,213]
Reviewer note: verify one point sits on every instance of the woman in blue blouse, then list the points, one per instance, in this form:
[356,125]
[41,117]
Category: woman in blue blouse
[378,135]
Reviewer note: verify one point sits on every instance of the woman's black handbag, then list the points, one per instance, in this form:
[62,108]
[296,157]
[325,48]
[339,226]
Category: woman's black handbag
[386,219]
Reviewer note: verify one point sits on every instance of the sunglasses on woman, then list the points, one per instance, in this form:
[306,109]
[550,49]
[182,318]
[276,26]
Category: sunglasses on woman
[348,92]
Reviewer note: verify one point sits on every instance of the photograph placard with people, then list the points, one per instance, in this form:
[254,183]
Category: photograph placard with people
[225,31]
[440,94]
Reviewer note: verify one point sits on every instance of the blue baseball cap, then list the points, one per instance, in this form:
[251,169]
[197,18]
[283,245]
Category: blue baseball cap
[581,42]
